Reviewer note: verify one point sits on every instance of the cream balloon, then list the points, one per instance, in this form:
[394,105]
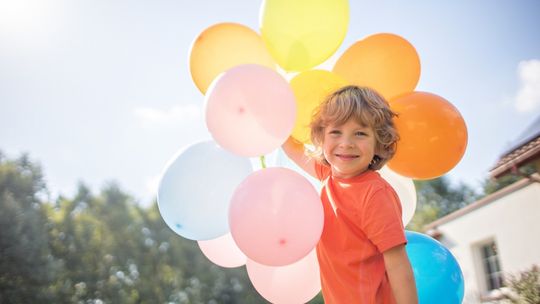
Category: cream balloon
[404,187]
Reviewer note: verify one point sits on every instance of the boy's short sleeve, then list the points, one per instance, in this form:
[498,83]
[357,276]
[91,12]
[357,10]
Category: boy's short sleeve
[322,171]
[380,219]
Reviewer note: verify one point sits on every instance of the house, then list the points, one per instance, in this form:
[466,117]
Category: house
[500,233]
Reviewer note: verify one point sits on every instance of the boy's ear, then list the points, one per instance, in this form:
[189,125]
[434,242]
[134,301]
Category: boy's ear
[380,150]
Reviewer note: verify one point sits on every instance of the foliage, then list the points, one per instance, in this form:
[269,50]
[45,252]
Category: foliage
[437,198]
[526,285]
[99,249]
[494,185]
[25,262]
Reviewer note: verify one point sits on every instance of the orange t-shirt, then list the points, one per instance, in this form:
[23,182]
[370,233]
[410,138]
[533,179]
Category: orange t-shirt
[366,222]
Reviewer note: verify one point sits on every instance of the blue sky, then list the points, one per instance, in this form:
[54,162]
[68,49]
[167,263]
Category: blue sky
[100,90]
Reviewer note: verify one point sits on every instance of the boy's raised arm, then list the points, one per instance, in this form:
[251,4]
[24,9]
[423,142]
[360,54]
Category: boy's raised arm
[295,151]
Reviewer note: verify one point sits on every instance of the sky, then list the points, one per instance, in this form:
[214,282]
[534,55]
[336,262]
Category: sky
[99,91]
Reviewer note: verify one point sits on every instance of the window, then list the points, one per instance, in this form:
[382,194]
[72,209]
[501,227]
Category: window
[492,269]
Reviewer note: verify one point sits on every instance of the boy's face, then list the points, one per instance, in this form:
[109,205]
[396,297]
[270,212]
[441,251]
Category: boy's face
[348,148]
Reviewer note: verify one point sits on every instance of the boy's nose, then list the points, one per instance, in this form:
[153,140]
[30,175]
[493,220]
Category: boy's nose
[346,142]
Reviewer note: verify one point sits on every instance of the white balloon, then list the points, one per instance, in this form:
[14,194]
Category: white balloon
[405,189]
[196,188]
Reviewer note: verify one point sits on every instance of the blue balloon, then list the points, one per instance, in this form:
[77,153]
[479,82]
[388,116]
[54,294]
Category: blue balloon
[437,273]
[196,188]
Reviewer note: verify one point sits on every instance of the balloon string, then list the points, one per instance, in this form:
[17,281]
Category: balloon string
[263,164]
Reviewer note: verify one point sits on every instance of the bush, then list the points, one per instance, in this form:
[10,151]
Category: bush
[526,285]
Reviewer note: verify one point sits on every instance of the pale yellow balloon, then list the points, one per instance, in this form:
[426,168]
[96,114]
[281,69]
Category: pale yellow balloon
[223,46]
[302,34]
[310,89]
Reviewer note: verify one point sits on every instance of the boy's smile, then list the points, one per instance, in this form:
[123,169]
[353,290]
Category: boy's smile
[346,157]
[348,148]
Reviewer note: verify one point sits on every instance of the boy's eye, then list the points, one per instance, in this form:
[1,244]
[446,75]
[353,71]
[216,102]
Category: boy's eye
[360,133]
[333,132]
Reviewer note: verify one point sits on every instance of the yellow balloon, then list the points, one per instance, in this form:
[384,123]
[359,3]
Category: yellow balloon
[223,46]
[310,89]
[385,62]
[301,34]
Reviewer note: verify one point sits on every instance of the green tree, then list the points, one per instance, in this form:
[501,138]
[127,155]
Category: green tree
[99,247]
[26,266]
[492,185]
[115,251]
[437,198]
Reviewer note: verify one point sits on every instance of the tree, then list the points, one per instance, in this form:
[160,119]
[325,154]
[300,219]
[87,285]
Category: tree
[115,251]
[26,266]
[102,247]
[437,198]
[493,185]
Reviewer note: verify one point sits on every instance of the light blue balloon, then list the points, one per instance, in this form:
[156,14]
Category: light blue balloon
[196,188]
[437,273]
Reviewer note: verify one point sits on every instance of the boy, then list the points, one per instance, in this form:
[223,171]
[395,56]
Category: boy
[361,252]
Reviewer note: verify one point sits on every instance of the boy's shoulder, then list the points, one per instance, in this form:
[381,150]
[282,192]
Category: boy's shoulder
[371,179]
[364,194]
[369,184]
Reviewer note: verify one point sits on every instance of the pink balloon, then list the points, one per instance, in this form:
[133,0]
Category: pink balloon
[294,283]
[276,216]
[250,110]
[223,251]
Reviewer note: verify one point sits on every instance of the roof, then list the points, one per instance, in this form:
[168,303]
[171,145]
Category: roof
[525,148]
[532,132]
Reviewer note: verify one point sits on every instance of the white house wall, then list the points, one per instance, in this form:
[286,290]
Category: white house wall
[513,221]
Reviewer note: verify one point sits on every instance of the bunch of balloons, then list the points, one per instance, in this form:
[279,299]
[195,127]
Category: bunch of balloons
[271,219]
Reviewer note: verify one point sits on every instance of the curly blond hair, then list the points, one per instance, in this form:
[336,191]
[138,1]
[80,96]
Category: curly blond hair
[367,108]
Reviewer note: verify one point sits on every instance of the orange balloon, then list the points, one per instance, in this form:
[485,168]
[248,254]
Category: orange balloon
[223,46]
[385,62]
[433,135]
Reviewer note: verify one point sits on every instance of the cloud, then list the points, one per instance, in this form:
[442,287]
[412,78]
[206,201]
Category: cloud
[177,115]
[528,96]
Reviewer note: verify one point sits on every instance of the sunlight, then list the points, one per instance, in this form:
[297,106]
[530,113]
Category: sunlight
[27,23]
[20,15]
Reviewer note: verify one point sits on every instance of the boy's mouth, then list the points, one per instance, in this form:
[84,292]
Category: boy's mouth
[347,156]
